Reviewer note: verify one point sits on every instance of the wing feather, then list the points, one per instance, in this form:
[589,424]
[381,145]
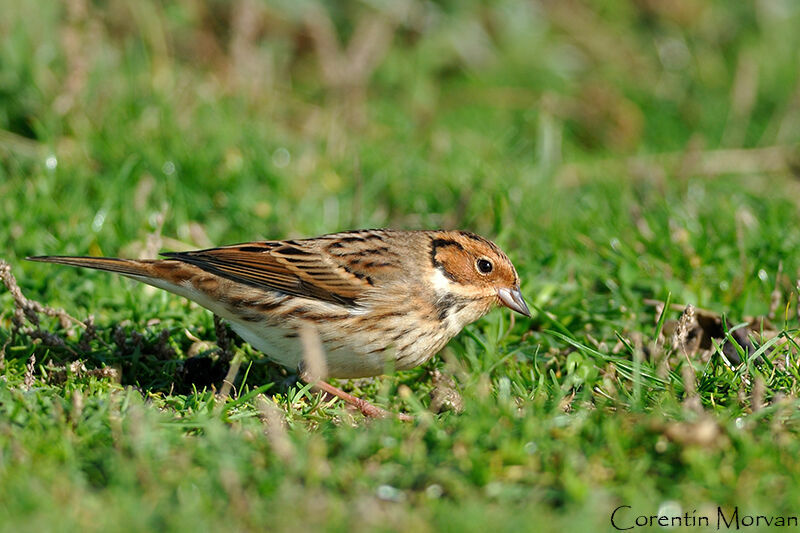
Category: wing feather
[298,268]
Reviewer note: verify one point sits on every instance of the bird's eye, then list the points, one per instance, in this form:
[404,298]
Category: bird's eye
[484,266]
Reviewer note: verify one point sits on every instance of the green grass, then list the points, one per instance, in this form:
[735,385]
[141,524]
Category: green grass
[565,134]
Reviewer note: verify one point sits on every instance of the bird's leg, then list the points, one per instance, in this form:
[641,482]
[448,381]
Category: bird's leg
[366,408]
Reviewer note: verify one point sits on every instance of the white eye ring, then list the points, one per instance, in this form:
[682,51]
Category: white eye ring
[484,266]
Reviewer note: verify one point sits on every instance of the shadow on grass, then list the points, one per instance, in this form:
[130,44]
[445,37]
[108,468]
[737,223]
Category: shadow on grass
[153,360]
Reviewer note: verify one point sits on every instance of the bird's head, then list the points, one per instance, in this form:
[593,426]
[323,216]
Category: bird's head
[473,268]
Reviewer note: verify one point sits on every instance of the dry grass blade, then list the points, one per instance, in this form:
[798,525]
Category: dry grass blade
[230,377]
[76,36]
[691,400]
[252,69]
[315,367]
[681,333]
[744,94]
[226,354]
[776,297]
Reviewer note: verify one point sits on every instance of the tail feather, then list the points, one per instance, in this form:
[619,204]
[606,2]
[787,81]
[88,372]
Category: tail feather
[128,267]
[168,274]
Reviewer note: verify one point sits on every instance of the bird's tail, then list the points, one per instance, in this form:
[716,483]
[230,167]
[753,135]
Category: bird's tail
[128,267]
[167,274]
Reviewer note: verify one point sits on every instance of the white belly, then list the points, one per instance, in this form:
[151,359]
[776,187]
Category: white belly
[284,347]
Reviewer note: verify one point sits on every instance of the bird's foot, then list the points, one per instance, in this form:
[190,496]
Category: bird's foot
[366,408]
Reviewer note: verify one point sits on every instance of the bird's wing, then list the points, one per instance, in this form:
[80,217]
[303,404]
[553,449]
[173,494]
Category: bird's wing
[300,268]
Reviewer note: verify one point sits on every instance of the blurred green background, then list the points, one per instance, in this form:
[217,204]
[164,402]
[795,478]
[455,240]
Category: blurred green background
[266,119]
[618,151]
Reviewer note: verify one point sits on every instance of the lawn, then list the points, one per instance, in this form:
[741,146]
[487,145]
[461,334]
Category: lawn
[638,161]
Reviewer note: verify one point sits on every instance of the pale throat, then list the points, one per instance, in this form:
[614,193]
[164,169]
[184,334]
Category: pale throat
[445,288]
[441,285]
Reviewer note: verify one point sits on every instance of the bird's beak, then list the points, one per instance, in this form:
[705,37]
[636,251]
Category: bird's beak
[512,298]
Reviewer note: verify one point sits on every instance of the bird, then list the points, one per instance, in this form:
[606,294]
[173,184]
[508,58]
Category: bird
[376,299]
